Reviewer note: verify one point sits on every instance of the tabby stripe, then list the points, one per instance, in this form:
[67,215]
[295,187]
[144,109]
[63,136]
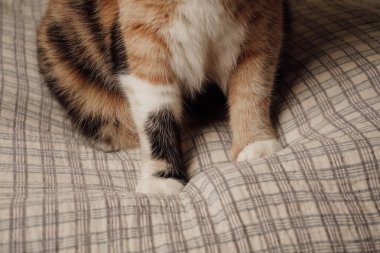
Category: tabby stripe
[164,136]
[118,51]
[90,126]
[51,82]
[88,10]
[71,50]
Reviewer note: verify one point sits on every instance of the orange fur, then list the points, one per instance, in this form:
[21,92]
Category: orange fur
[251,83]
[148,53]
[144,27]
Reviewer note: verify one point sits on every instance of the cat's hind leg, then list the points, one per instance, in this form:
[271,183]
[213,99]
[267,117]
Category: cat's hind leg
[157,111]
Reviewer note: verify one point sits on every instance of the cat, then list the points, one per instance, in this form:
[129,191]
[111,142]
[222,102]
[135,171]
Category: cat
[121,69]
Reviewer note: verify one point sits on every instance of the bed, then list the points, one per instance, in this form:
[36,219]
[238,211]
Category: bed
[321,193]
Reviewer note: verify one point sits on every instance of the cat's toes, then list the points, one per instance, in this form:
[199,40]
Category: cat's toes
[159,186]
[259,149]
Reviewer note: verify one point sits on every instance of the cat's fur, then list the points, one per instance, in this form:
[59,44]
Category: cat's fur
[122,67]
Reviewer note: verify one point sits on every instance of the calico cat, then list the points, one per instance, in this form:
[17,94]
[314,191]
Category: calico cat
[121,69]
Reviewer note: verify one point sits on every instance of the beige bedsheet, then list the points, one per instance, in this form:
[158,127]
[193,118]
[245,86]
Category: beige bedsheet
[321,193]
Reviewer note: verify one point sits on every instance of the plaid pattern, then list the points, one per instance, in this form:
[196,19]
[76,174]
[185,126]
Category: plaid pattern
[321,193]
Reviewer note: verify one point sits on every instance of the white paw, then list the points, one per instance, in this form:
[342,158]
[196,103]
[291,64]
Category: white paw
[159,186]
[259,149]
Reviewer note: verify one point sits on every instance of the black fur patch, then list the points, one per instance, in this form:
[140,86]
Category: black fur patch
[287,17]
[118,51]
[164,136]
[89,126]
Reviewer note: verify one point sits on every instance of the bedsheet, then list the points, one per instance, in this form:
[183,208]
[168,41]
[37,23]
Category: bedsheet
[321,193]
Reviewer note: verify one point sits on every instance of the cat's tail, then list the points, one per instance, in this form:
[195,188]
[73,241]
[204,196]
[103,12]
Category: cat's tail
[102,116]
[95,104]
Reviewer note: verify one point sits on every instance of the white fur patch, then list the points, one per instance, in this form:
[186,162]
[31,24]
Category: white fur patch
[204,42]
[159,186]
[145,97]
[259,149]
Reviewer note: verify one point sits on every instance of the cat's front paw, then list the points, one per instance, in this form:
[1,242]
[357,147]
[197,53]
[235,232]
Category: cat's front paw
[159,186]
[259,149]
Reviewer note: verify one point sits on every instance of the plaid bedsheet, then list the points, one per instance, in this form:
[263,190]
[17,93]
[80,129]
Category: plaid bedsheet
[321,193]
